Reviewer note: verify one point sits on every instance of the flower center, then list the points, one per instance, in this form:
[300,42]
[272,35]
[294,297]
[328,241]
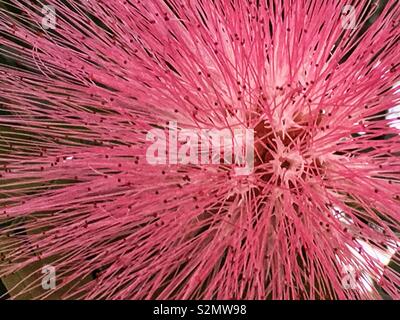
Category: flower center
[288,165]
[282,157]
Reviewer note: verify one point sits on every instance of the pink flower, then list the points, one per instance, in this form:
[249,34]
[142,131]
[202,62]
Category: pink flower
[84,82]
